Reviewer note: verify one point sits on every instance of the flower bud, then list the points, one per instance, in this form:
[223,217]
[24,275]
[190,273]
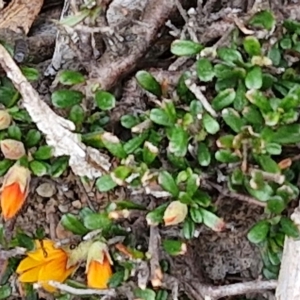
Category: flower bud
[14,190]
[12,149]
[5,119]
[98,266]
[175,213]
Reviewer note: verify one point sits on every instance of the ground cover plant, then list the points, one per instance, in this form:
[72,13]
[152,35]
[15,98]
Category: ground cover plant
[202,181]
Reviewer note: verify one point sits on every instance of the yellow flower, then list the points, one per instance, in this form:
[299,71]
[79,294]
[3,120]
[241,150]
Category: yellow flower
[45,263]
[14,190]
[98,267]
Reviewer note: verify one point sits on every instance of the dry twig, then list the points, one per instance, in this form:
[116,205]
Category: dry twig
[84,161]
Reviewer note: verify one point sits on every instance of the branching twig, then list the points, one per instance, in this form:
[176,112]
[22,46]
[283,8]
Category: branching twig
[56,129]
[111,67]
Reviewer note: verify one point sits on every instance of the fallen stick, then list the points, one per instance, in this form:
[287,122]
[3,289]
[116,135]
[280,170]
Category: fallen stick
[84,161]
[289,276]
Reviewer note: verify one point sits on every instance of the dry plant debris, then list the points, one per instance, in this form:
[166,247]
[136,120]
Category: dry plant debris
[171,181]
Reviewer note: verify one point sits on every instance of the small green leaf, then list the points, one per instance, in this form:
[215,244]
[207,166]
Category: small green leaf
[253,115]
[122,172]
[169,107]
[240,100]
[211,220]
[71,223]
[273,148]
[14,132]
[32,138]
[93,139]
[275,55]
[69,77]
[148,82]
[145,294]
[185,48]
[66,98]
[5,291]
[289,227]
[105,100]
[258,233]
[229,55]
[226,156]
[192,184]
[168,183]
[178,144]
[162,295]
[268,164]
[127,204]
[252,45]
[38,168]
[291,100]
[113,145]
[59,165]
[258,99]
[160,117]
[105,183]
[133,144]
[5,164]
[225,141]
[188,229]
[287,134]
[97,221]
[205,70]
[203,155]
[116,279]
[150,152]
[254,79]
[129,121]
[196,215]
[276,205]
[233,119]
[262,194]
[263,19]
[155,217]
[210,124]
[9,96]
[285,43]
[223,99]
[173,247]
[43,153]
[77,114]
[182,90]
[292,26]
[32,74]
[202,198]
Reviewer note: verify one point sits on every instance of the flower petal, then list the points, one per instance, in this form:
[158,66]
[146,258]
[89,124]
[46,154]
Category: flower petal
[27,264]
[54,270]
[30,275]
[12,200]
[46,251]
[99,274]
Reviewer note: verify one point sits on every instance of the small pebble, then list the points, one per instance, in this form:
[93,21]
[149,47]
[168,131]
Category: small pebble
[76,204]
[46,190]
[63,208]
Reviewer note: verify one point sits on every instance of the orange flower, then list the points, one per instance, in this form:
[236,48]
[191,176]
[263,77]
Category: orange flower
[45,263]
[14,190]
[98,267]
